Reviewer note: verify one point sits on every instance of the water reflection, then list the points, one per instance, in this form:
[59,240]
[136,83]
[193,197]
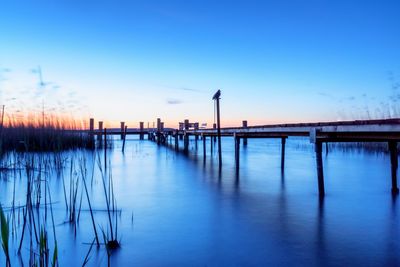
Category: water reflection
[181,210]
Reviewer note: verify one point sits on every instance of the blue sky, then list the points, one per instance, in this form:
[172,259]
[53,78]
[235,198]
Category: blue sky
[275,61]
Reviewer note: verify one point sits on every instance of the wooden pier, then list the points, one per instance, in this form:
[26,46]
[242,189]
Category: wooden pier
[386,130]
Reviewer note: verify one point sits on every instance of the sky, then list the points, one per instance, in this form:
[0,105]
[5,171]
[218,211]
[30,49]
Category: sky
[274,61]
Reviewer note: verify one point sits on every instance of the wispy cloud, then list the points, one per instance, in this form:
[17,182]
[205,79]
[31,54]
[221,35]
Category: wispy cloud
[174,101]
[189,89]
[184,88]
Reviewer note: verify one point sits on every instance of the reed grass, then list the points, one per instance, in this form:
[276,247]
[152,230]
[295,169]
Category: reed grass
[52,136]
[5,234]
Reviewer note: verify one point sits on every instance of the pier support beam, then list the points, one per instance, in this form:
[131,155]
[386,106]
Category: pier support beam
[158,130]
[196,128]
[186,137]
[122,129]
[204,146]
[91,132]
[176,142]
[394,165]
[186,143]
[124,135]
[320,170]
[244,125]
[141,127]
[216,98]
[99,136]
[283,153]
[237,153]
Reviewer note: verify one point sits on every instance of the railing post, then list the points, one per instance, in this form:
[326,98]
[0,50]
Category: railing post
[394,165]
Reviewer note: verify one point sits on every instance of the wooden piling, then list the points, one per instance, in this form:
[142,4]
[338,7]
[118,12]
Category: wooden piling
[244,125]
[186,137]
[320,170]
[99,136]
[204,146]
[186,143]
[283,153]
[237,152]
[91,132]
[122,129]
[105,149]
[123,143]
[196,128]
[91,126]
[219,133]
[176,141]
[394,165]
[141,127]
[158,130]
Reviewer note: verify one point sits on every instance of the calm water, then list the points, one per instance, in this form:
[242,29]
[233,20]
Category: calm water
[178,210]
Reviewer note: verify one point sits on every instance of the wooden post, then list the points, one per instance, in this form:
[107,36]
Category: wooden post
[158,130]
[99,136]
[394,165]
[237,152]
[91,126]
[219,133]
[123,143]
[320,170]
[283,153]
[122,129]
[196,128]
[176,142]
[141,126]
[91,132]
[186,142]
[244,125]
[204,146]
[186,138]
[105,148]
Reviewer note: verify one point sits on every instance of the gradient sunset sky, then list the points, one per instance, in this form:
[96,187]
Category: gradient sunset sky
[274,61]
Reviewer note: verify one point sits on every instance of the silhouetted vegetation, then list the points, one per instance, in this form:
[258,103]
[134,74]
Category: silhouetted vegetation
[50,137]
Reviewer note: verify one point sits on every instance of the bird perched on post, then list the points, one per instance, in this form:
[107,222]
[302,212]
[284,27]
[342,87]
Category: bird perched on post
[217,95]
